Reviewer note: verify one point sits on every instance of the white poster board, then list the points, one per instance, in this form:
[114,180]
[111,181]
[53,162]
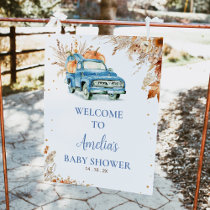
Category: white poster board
[101,111]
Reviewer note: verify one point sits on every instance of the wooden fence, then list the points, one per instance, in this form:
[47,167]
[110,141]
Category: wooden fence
[13,53]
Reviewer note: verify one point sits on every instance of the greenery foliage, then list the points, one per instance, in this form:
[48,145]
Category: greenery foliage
[27,8]
[26,81]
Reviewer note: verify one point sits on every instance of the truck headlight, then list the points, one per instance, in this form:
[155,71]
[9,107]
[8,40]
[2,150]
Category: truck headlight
[122,84]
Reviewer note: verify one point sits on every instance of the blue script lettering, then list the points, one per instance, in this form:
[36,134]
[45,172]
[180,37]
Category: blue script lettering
[100,145]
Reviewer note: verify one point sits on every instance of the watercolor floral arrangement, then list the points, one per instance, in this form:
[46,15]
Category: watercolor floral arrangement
[50,169]
[146,51]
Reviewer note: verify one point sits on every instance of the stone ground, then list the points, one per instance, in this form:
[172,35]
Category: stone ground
[179,141]
[24,143]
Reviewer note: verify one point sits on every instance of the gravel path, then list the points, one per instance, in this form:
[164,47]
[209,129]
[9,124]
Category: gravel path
[180,133]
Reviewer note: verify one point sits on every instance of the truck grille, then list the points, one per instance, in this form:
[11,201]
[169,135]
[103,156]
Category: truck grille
[109,84]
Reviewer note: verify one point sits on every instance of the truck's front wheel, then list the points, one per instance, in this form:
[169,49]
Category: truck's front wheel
[114,96]
[86,93]
[71,89]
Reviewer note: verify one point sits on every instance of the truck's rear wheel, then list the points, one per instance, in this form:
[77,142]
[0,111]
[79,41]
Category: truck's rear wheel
[114,96]
[71,89]
[86,93]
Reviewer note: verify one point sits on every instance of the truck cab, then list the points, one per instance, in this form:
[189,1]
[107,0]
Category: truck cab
[91,76]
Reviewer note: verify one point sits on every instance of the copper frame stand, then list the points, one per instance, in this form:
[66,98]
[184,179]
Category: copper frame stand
[109,22]
[200,163]
[3,146]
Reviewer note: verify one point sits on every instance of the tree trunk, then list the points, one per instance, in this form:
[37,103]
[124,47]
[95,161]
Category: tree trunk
[108,12]
[171,16]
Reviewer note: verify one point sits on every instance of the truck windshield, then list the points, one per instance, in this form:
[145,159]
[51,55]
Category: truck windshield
[91,65]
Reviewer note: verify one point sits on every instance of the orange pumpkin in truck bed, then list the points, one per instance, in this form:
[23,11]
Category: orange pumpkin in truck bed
[94,55]
[72,66]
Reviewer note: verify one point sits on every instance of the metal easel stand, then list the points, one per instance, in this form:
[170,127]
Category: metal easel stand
[203,141]
[3,146]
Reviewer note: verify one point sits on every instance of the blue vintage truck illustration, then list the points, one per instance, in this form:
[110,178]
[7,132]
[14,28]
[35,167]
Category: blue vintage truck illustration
[91,76]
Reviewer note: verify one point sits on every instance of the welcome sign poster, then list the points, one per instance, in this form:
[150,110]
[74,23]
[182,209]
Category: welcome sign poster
[101,110]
